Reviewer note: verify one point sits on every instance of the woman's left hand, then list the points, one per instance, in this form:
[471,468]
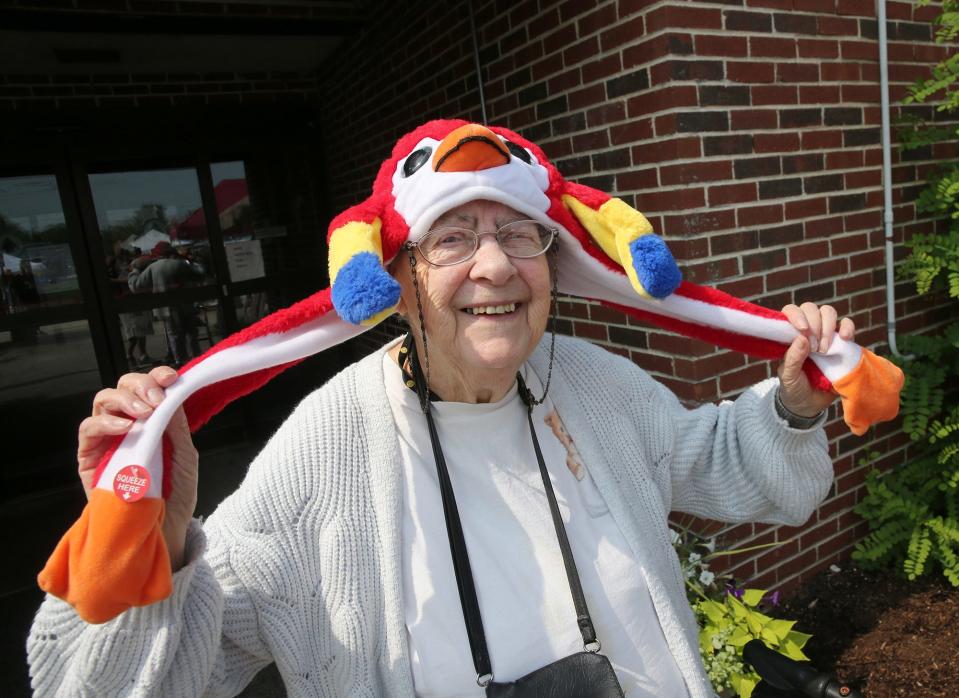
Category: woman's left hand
[817,326]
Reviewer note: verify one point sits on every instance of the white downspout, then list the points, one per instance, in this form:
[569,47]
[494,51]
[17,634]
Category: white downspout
[887,217]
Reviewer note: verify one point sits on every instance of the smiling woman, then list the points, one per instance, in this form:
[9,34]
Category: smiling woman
[471,509]
[474,352]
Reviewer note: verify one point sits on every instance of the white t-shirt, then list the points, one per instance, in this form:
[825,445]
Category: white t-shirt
[524,597]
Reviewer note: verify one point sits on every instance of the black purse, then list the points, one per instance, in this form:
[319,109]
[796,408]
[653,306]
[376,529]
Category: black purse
[586,674]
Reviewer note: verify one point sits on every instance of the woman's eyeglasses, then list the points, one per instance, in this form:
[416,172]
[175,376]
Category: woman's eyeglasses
[444,247]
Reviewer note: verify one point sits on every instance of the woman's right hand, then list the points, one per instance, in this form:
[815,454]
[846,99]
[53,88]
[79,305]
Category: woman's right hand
[114,412]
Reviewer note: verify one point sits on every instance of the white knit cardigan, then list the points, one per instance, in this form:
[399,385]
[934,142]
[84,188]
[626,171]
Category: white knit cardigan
[302,565]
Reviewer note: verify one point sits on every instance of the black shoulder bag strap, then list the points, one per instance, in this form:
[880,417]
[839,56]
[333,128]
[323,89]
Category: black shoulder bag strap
[461,563]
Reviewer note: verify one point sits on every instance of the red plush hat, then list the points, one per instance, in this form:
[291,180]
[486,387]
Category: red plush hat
[115,557]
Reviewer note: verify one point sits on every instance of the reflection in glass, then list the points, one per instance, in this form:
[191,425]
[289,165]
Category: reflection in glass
[147,217]
[251,307]
[36,266]
[246,238]
[46,362]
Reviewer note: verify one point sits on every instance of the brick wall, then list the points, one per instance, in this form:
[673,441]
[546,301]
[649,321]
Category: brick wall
[747,131]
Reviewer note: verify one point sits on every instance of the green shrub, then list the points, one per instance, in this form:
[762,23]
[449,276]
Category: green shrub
[912,511]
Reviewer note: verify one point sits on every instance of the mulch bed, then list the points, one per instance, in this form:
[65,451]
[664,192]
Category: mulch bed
[881,634]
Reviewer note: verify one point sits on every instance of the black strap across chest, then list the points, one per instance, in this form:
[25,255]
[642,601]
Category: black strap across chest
[454,529]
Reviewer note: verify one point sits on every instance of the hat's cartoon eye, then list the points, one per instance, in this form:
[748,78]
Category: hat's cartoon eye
[416,159]
[519,151]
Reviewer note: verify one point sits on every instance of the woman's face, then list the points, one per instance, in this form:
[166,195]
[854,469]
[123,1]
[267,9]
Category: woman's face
[464,341]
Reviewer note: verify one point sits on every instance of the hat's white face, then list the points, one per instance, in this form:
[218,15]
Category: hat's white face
[468,346]
[421,195]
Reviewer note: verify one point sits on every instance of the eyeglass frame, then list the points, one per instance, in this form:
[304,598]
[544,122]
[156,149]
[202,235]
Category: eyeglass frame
[553,233]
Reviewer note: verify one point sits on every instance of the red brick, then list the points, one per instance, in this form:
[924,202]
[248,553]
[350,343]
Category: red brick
[699,222]
[776,142]
[743,288]
[837,26]
[602,68]
[797,72]
[808,252]
[850,284]
[859,8]
[750,72]
[619,33]
[849,243]
[774,94]
[563,81]
[863,179]
[721,45]
[695,172]
[758,215]
[669,97]
[652,362]
[665,125]
[751,119]
[732,193]
[590,330]
[819,94]
[743,378]
[806,208]
[843,159]
[637,180]
[603,114]
[672,200]
[678,345]
[601,19]
[586,97]
[818,48]
[631,132]
[826,6]
[593,140]
[839,72]
[673,17]
[818,140]
[654,49]
[580,51]
[859,51]
[664,151]
[712,271]
[785,278]
[772,47]
[708,366]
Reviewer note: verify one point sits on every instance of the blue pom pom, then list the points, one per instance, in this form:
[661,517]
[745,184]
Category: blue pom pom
[655,266]
[364,288]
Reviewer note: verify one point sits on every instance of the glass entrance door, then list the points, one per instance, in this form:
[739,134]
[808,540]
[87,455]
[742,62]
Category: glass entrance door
[48,353]
[157,265]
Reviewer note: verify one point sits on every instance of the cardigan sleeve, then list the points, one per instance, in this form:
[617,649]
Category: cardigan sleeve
[739,461]
[206,638]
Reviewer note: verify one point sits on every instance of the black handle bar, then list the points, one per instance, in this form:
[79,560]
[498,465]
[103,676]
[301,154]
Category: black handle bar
[786,674]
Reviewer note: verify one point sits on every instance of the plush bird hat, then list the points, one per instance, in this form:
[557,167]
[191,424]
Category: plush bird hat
[114,557]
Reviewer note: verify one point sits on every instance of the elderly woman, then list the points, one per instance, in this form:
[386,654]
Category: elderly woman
[551,461]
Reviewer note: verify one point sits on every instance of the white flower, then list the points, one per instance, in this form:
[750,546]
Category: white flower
[710,545]
[706,577]
[694,558]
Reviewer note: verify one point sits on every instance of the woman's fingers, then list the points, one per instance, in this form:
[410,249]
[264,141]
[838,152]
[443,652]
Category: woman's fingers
[120,402]
[847,329]
[827,321]
[818,324]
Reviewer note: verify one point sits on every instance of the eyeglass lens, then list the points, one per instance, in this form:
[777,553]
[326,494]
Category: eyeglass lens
[445,246]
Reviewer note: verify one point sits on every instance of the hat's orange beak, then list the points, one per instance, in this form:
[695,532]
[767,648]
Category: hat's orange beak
[470,148]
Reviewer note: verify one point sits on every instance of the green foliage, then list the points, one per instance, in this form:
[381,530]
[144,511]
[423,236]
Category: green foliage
[912,511]
[729,617]
[726,625]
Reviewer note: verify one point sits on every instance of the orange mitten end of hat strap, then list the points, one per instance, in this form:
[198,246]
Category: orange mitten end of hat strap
[113,558]
[870,393]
